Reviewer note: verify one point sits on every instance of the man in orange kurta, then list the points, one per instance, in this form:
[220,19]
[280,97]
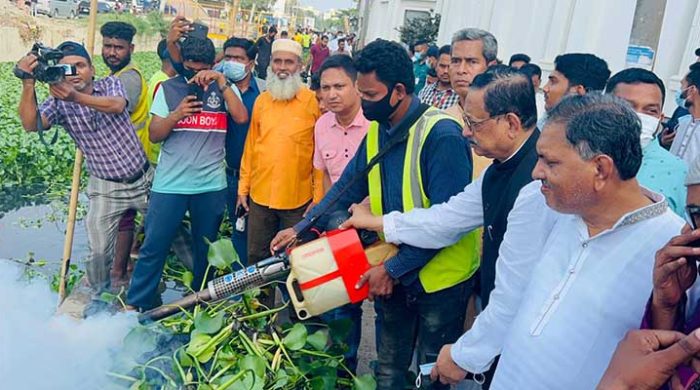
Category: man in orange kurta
[278,181]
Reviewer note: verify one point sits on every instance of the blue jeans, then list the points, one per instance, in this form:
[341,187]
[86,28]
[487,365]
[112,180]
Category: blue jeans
[424,322]
[239,239]
[352,312]
[163,219]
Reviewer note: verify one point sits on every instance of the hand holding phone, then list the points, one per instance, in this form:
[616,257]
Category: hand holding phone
[197,91]
[198,30]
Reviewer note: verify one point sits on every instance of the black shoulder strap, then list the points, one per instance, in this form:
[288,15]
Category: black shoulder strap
[400,135]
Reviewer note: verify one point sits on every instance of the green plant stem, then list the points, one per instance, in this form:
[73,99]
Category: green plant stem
[122,377]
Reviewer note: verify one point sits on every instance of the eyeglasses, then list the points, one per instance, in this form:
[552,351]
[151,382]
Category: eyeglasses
[473,125]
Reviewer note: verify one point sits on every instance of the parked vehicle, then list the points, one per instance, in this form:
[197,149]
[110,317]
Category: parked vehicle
[103,7]
[43,7]
[64,8]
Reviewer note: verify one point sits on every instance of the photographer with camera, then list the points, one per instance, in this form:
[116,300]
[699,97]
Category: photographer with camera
[190,117]
[94,114]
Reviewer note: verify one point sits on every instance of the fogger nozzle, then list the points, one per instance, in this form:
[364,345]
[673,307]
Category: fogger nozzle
[226,286]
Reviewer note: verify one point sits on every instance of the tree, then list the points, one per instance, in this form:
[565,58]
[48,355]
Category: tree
[420,28]
[260,5]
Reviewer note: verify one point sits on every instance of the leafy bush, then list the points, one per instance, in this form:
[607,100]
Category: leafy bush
[420,28]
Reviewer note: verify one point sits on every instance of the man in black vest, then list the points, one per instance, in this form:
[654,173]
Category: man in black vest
[500,119]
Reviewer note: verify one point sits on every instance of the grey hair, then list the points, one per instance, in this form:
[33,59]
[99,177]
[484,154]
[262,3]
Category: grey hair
[490,51]
[598,124]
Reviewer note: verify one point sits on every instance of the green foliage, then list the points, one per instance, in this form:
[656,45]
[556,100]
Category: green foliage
[238,344]
[37,269]
[260,5]
[417,29]
[149,25]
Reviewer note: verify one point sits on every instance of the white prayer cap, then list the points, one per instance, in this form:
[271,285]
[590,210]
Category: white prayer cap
[287,45]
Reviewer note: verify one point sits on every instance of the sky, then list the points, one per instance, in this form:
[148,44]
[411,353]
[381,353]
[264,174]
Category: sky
[325,5]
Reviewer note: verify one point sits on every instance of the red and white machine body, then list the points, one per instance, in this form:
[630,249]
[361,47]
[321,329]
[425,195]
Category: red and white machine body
[324,273]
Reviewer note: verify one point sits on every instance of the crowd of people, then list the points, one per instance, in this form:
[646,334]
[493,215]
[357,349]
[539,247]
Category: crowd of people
[559,208]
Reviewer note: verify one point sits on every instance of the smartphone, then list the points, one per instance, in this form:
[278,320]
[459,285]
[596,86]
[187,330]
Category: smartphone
[240,218]
[693,212]
[197,91]
[199,30]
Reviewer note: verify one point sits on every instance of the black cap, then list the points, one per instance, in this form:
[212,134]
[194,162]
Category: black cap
[70,48]
[697,52]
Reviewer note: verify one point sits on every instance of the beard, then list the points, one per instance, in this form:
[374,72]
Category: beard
[283,89]
[119,66]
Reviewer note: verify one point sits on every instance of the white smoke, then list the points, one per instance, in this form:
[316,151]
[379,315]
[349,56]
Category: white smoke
[41,351]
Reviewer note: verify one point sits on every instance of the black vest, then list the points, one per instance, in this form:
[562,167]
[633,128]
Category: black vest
[500,187]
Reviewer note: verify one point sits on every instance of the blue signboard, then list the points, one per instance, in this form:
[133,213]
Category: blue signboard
[639,57]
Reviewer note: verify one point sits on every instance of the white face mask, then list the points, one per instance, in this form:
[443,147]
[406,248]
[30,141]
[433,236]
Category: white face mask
[649,126]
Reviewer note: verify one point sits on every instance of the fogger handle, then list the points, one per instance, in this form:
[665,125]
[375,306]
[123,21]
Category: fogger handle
[380,252]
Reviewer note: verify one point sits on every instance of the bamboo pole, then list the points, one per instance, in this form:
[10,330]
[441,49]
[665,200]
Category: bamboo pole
[75,184]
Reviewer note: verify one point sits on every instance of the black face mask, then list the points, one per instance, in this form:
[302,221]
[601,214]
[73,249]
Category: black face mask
[188,73]
[380,110]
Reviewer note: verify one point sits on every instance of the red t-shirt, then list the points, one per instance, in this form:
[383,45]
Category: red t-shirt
[319,54]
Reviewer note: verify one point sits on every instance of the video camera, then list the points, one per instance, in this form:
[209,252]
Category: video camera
[48,70]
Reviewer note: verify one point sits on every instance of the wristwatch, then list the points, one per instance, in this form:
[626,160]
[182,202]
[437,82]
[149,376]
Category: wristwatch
[225,87]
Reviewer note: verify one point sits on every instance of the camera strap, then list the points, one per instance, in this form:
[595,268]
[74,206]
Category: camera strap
[40,126]
[400,135]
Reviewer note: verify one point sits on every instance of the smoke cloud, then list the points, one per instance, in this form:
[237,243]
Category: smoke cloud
[41,351]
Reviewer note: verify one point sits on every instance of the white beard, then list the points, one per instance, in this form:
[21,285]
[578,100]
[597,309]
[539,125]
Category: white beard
[283,89]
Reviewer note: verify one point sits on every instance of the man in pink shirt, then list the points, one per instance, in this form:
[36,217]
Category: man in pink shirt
[339,131]
[337,135]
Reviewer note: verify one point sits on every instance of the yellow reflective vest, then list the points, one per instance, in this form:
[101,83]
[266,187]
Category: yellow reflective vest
[454,264]
[140,117]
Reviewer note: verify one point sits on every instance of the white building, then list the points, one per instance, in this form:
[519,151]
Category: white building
[545,28]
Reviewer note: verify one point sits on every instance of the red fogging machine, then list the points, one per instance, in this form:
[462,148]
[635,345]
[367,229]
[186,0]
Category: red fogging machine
[321,275]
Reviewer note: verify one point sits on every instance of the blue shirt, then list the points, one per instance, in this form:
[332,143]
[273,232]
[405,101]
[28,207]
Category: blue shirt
[445,168]
[235,137]
[665,173]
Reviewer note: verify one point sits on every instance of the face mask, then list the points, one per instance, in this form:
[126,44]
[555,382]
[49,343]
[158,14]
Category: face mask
[681,99]
[188,73]
[649,126]
[234,71]
[381,110]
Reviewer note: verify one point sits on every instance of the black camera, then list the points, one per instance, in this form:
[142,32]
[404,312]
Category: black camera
[48,70]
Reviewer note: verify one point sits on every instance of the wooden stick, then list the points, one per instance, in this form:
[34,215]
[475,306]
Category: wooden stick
[75,184]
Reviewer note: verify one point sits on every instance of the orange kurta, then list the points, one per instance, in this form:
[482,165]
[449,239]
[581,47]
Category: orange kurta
[277,166]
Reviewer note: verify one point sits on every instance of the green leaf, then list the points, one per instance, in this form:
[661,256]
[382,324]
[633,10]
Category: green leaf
[364,382]
[205,323]
[254,363]
[281,379]
[184,359]
[140,340]
[325,381]
[296,338]
[187,278]
[340,329]
[318,340]
[198,347]
[221,253]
